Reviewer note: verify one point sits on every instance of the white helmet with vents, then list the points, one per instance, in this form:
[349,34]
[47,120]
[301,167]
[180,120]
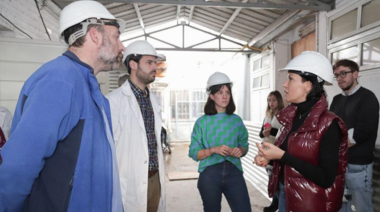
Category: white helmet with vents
[140,47]
[86,12]
[217,78]
[312,62]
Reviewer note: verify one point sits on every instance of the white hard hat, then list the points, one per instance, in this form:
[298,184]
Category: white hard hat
[79,11]
[217,78]
[140,47]
[312,62]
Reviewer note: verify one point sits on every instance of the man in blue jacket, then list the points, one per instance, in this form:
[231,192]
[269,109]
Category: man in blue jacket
[61,155]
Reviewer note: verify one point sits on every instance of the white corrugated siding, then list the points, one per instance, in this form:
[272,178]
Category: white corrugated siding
[254,174]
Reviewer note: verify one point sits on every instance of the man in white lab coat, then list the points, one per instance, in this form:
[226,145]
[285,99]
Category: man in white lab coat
[136,120]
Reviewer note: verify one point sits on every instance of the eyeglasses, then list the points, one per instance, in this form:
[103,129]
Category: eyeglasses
[342,74]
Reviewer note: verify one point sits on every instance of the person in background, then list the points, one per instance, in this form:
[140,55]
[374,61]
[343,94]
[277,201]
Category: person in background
[5,126]
[269,131]
[219,139]
[310,152]
[122,79]
[5,122]
[358,107]
[61,155]
[136,120]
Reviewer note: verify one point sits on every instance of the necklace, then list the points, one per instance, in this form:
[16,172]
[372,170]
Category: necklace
[305,113]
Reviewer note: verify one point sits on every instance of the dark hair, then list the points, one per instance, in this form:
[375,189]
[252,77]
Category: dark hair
[317,87]
[353,66]
[80,41]
[210,104]
[134,57]
[280,103]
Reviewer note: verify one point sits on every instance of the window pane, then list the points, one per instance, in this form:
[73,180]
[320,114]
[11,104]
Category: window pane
[256,82]
[371,52]
[349,53]
[370,13]
[265,81]
[344,24]
[265,62]
[256,65]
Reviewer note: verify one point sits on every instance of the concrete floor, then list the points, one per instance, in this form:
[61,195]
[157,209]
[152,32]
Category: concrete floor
[183,195]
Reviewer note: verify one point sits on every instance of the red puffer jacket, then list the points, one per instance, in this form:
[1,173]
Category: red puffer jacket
[302,195]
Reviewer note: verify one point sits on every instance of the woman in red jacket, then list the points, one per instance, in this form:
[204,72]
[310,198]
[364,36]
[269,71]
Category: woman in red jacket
[310,153]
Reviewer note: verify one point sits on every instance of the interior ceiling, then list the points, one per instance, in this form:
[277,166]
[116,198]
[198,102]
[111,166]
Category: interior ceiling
[245,20]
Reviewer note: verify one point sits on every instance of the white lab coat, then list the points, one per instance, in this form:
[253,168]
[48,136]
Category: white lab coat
[132,148]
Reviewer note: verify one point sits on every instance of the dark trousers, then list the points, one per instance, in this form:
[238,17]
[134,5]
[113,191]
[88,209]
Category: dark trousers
[223,178]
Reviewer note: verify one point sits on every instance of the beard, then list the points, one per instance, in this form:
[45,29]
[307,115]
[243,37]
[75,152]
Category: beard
[108,58]
[145,77]
[348,86]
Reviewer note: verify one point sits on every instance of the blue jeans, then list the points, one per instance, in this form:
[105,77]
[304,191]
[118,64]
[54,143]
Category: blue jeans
[281,198]
[359,184]
[223,178]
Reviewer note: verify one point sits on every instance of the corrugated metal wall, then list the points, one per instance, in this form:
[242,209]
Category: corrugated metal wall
[254,174]
[19,58]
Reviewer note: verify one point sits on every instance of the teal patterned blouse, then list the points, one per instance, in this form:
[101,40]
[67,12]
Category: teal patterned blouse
[215,130]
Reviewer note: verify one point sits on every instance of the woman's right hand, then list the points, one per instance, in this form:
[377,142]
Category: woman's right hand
[221,150]
[266,131]
[261,161]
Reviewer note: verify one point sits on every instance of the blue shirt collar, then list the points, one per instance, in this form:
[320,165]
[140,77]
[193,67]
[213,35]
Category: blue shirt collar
[75,58]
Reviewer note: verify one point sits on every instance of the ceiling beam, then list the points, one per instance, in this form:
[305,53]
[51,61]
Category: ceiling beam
[191,14]
[139,16]
[278,27]
[315,5]
[178,13]
[277,23]
[232,18]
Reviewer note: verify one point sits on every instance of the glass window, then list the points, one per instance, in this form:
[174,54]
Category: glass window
[349,53]
[370,13]
[256,82]
[256,65]
[344,24]
[265,62]
[265,80]
[371,52]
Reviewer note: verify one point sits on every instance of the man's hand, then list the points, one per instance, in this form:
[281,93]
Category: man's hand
[270,151]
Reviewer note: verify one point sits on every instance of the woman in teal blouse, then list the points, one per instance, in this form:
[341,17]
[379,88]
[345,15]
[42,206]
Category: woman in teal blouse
[219,139]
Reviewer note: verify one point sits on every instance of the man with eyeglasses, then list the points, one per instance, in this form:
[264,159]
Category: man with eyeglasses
[358,107]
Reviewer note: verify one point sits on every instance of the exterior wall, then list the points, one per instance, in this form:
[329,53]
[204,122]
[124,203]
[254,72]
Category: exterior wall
[24,14]
[18,60]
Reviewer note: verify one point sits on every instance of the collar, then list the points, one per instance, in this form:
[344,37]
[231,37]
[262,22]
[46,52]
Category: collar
[352,91]
[76,59]
[286,116]
[137,91]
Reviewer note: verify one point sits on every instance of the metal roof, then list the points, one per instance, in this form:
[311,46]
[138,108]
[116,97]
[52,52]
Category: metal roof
[248,21]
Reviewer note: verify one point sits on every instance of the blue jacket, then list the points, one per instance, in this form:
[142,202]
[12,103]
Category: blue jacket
[58,157]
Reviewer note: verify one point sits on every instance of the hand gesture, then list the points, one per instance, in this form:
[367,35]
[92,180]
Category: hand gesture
[236,152]
[270,151]
[222,150]
[260,161]
[266,131]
